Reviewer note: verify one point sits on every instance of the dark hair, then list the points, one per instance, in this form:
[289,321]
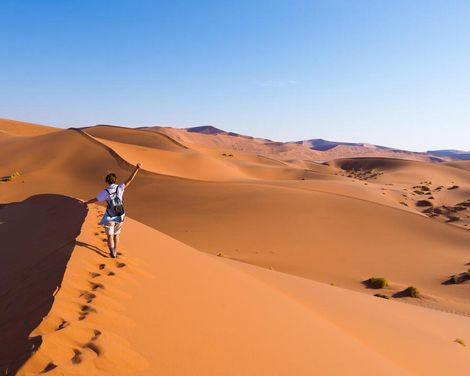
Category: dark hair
[111,178]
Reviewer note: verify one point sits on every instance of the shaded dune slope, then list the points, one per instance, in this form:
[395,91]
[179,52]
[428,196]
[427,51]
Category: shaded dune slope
[33,259]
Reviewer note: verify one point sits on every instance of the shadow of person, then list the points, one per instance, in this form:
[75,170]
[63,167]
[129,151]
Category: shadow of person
[92,248]
[37,238]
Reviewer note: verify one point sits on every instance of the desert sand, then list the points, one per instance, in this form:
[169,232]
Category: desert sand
[234,260]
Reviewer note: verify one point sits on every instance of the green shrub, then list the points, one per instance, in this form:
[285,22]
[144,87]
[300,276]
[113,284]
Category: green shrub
[411,291]
[383,296]
[376,283]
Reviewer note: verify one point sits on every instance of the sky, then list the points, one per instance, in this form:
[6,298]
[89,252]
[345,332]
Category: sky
[394,73]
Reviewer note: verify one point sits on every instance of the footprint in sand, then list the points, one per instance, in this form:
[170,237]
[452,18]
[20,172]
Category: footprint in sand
[97,334]
[96,286]
[120,264]
[93,347]
[85,310]
[111,273]
[50,366]
[101,266]
[94,274]
[62,325]
[77,358]
[89,296]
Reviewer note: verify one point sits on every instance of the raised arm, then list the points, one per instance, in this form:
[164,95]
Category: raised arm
[91,201]
[129,181]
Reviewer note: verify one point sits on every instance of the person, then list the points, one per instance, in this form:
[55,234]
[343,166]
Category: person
[113,219]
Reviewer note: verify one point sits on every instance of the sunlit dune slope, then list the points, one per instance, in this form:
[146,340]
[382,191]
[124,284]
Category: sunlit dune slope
[295,228]
[194,161]
[165,308]
[135,137]
[285,150]
[21,128]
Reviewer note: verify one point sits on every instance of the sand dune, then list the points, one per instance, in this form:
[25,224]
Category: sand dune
[209,316]
[301,227]
[213,137]
[33,260]
[339,223]
[21,128]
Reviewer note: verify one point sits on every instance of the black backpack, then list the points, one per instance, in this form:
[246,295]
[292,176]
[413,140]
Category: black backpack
[115,207]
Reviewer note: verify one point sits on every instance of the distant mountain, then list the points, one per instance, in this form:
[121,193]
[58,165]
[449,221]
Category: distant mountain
[325,145]
[454,154]
[207,129]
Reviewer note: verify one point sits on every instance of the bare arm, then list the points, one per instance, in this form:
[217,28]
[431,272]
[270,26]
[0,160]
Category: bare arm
[91,201]
[129,180]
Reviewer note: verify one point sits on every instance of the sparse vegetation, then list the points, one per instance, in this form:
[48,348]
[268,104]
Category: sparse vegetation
[410,291]
[376,283]
[383,296]
[460,341]
[452,218]
[460,278]
[10,177]
[423,203]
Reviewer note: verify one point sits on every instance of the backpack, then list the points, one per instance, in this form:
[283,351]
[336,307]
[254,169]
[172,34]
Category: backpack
[115,207]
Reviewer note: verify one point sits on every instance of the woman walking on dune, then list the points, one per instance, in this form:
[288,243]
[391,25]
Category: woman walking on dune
[113,218]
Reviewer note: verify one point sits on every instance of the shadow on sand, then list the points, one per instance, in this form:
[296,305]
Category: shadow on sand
[37,237]
[93,248]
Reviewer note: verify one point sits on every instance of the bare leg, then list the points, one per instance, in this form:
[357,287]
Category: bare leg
[116,242]
[111,242]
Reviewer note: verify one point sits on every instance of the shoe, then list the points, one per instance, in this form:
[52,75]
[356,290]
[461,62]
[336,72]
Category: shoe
[113,254]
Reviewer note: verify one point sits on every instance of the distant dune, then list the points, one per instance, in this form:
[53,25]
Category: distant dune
[233,246]
[453,154]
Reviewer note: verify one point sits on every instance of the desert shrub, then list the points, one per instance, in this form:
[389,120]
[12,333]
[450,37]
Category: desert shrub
[383,296]
[410,291]
[460,278]
[423,203]
[376,283]
[10,177]
[460,341]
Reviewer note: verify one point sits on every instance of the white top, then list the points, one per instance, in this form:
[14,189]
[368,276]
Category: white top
[104,196]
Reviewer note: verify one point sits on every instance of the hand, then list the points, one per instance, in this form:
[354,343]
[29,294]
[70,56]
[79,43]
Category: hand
[139,165]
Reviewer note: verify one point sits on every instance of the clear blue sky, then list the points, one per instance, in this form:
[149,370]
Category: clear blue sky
[391,72]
